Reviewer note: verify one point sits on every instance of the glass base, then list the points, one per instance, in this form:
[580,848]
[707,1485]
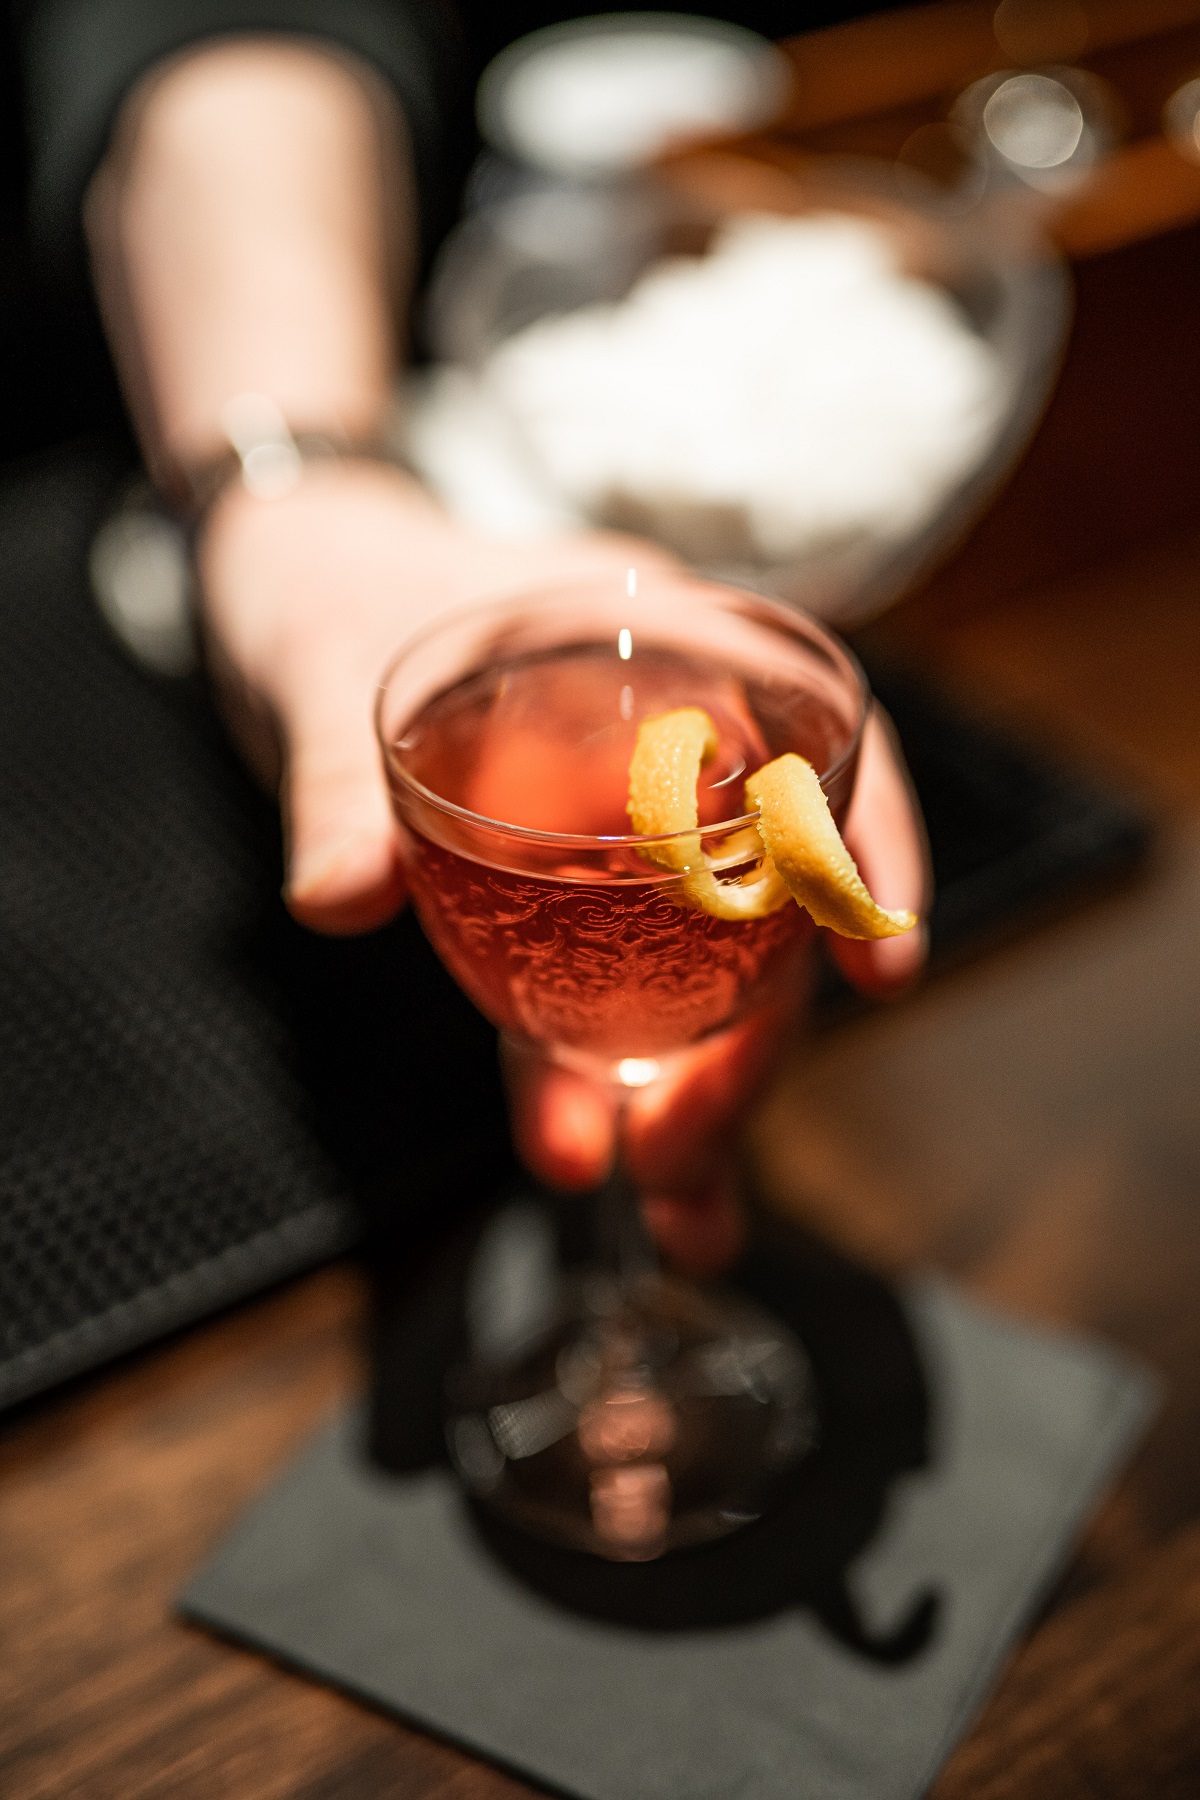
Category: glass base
[650,1416]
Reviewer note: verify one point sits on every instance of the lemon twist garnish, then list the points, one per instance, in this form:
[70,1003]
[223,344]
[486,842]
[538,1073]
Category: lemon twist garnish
[663,776]
[803,855]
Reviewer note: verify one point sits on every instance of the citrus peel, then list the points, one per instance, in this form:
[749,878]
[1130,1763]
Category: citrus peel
[803,855]
[664,773]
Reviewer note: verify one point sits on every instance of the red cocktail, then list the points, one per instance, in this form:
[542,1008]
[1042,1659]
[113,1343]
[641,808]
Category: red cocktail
[552,920]
[507,733]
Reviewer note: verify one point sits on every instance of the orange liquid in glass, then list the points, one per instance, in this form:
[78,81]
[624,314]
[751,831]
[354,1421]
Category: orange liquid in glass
[588,948]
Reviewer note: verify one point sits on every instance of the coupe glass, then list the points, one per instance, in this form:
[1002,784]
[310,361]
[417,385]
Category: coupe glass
[644,1412]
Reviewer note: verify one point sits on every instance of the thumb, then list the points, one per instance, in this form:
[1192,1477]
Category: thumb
[563,1125]
[343,863]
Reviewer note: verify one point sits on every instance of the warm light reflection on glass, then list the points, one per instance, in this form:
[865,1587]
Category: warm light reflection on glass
[621,1426]
[637,1071]
[631,1508]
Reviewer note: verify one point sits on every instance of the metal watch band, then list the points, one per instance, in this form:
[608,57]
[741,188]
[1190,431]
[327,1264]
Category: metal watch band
[267,456]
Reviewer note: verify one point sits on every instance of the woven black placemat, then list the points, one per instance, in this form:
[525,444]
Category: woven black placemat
[196,1097]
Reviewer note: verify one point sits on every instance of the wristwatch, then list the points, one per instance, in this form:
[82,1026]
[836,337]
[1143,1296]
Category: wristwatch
[267,456]
[141,557]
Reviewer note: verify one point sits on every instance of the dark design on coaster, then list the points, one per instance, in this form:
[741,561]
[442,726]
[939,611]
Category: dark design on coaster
[873,1428]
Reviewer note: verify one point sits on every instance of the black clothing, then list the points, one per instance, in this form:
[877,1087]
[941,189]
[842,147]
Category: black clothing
[67,65]
[81,57]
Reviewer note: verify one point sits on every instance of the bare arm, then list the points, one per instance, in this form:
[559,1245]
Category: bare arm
[251,230]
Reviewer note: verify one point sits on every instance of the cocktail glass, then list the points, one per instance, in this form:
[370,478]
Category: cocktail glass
[647,1412]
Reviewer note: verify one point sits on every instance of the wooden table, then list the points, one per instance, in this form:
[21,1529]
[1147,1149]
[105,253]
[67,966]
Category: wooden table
[1029,1124]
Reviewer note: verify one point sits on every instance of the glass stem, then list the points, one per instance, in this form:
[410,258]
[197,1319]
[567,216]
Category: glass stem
[625,1245]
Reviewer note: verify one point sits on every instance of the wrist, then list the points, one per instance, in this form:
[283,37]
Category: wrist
[247,229]
[262,454]
[339,504]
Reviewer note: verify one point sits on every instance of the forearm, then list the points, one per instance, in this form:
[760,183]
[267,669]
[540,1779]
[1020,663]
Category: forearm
[251,231]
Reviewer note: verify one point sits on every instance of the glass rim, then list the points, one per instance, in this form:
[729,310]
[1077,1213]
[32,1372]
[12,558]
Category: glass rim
[785,614]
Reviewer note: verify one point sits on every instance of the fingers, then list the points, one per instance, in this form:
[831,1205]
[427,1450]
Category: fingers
[701,1232]
[294,648]
[563,1125]
[564,1131]
[678,1127]
[887,840]
[343,863]
[677,1142]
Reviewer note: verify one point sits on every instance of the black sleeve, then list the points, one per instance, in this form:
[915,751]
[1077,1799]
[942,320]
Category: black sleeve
[81,57]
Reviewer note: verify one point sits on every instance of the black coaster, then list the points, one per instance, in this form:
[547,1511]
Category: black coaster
[833,1651]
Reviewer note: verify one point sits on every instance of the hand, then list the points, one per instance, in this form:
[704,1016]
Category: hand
[304,600]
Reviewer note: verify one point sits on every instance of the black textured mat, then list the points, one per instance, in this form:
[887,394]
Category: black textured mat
[834,1650]
[197,1098]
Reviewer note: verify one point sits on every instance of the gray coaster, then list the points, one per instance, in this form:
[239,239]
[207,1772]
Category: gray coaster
[385,1585]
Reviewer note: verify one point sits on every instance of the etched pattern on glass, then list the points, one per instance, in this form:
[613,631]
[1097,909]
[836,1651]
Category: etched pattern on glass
[617,969]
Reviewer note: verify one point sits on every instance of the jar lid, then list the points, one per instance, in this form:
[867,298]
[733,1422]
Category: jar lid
[596,96]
